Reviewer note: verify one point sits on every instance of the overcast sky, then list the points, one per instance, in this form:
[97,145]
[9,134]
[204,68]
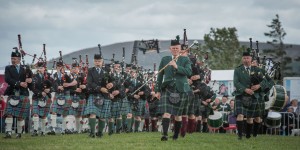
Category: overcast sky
[71,25]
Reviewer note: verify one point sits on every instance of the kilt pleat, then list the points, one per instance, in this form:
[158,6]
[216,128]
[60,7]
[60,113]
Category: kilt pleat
[115,109]
[61,109]
[79,110]
[125,107]
[41,111]
[164,106]
[102,112]
[255,110]
[21,110]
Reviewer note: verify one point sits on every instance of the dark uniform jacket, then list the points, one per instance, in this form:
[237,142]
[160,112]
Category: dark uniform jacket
[13,79]
[174,77]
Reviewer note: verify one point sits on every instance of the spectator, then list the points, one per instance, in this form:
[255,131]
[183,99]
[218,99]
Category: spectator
[2,119]
[215,104]
[294,104]
[289,121]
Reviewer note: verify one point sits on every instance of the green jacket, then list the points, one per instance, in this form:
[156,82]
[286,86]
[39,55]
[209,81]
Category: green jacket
[241,80]
[171,76]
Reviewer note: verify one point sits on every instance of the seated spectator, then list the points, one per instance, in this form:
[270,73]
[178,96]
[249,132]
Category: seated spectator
[288,121]
[294,104]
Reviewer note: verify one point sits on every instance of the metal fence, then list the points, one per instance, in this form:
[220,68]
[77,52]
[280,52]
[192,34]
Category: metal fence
[289,125]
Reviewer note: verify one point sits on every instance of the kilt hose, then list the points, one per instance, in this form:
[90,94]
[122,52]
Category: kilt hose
[115,109]
[164,106]
[255,110]
[61,109]
[21,110]
[77,106]
[102,111]
[42,111]
[125,106]
[147,111]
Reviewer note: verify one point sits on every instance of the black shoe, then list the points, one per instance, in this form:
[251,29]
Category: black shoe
[175,137]
[248,136]
[18,136]
[43,134]
[34,133]
[136,131]
[7,135]
[99,134]
[92,135]
[239,137]
[164,138]
[110,132]
[118,131]
[129,131]
[52,132]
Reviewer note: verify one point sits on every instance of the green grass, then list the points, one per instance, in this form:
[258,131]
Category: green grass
[208,141]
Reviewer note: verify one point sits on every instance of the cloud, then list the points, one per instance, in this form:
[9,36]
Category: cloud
[74,25]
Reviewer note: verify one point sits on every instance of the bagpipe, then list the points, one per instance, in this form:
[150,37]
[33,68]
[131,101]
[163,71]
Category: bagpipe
[28,72]
[271,68]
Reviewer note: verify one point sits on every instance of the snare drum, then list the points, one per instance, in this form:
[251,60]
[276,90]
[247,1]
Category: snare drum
[215,121]
[273,120]
[276,98]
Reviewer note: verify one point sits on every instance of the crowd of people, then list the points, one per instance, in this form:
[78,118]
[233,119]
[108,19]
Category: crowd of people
[121,95]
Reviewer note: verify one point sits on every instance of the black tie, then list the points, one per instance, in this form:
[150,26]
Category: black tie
[98,70]
[248,70]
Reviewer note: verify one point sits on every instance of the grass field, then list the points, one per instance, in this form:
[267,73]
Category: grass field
[207,141]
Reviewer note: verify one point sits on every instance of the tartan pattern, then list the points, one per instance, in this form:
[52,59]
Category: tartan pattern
[115,110]
[141,108]
[256,109]
[105,109]
[79,110]
[197,105]
[41,111]
[153,106]
[19,111]
[164,106]
[191,106]
[103,112]
[64,109]
[125,107]
[90,107]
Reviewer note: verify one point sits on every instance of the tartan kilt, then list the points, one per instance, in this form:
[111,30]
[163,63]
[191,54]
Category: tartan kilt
[19,111]
[164,106]
[41,111]
[61,109]
[197,105]
[204,111]
[190,110]
[105,110]
[140,107]
[115,110]
[125,107]
[90,107]
[153,108]
[79,110]
[255,110]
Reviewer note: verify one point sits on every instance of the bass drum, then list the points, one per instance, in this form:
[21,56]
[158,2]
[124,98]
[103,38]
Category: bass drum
[273,120]
[215,121]
[276,98]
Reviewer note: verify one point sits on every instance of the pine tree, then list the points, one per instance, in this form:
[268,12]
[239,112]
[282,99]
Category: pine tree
[278,53]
